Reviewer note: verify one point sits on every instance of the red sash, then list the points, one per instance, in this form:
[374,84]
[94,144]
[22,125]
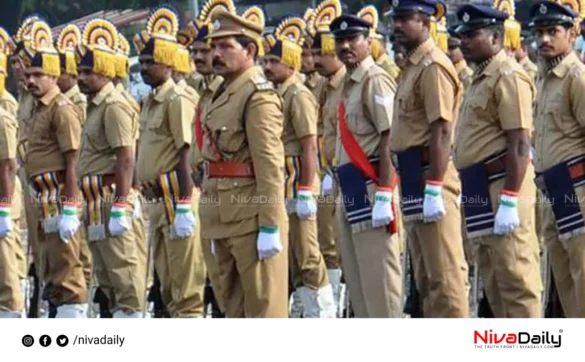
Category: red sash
[198,128]
[359,159]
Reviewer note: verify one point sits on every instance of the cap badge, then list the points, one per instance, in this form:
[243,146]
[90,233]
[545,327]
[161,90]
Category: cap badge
[466,17]
[343,25]
[543,9]
[216,25]
[395,3]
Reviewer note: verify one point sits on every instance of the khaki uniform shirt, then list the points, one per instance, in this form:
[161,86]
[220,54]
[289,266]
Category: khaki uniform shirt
[26,105]
[128,97]
[332,94]
[79,100]
[499,99]
[465,74]
[429,90]
[389,66]
[530,68]
[368,96]
[240,132]
[210,85]
[191,92]
[9,103]
[314,82]
[8,142]
[111,123]
[197,82]
[560,113]
[54,129]
[165,128]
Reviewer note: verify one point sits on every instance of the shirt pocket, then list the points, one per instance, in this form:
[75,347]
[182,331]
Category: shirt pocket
[478,107]
[238,200]
[230,139]
[559,117]
[154,126]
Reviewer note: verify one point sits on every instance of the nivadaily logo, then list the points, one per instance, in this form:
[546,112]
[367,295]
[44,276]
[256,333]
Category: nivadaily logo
[491,339]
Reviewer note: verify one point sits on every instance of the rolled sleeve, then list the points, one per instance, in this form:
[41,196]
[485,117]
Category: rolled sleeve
[181,117]
[8,133]
[379,101]
[304,114]
[68,128]
[438,92]
[119,127]
[513,95]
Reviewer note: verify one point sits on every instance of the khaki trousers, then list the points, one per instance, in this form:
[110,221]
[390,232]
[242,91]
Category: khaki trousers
[120,265]
[325,229]
[179,263]
[509,265]
[252,288]
[568,262]
[213,272]
[372,269]
[12,260]
[305,259]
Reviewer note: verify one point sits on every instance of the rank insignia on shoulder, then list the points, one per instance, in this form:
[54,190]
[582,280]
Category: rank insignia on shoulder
[62,103]
[427,62]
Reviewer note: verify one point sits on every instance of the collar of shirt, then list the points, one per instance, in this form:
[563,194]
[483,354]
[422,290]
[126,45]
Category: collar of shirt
[337,78]
[312,79]
[417,54]
[49,96]
[287,83]
[361,70]
[491,65]
[213,82]
[560,65]
[182,83]
[103,93]
[120,87]
[460,65]
[243,78]
[161,92]
[73,91]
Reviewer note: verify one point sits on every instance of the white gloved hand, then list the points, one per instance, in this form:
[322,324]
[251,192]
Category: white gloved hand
[119,223]
[327,185]
[68,222]
[507,218]
[306,206]
[433,207]
[382,213]
[268,243]
[184,224]
[5,220]
[137,213]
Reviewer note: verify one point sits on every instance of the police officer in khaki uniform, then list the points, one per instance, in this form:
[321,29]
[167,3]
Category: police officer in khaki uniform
[368,240]
[20,60]
[11,296]
[281,63]
[183,67]
[425,111]
[51,160]
[523,59]
[7,100]
[68,39]
[209,83]
[464,72]
[559,118]
[492,154]
[242,209]
[328,65]
[164,173]
[378,42]
[106,166]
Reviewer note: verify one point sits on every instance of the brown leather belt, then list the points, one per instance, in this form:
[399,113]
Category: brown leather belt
[496,166]
[228,169]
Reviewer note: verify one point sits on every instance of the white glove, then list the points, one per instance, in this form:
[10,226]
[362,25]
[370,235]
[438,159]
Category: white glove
[327,185]
[119,223]
[5,221]
[433,208]
[268,242]
[68,222]
[382,213]
[306,205]
[137,213]
[184,224]
[507,218]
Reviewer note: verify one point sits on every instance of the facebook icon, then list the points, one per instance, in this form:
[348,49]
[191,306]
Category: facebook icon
[45,340]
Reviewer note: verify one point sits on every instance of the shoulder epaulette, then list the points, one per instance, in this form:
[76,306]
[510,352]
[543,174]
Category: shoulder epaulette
[262,83]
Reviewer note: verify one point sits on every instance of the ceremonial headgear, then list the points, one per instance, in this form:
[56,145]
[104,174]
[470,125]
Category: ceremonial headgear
[438,28]
[122,57]
[99,47]
[140,40]
[325,13]
[162,27]
[46,58]
[286,42]
[67,42]
[22,40]
[201,28]
[309,18]
[511,26]
[6,48]
[370,14]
